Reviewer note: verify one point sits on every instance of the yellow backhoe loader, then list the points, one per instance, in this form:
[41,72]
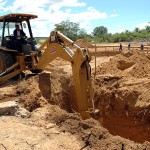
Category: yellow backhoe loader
[13,61]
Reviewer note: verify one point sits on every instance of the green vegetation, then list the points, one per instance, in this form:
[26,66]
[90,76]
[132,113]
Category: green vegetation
[40,40]
[72,30]
[100,34]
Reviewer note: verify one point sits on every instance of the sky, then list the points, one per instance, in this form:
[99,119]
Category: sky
[116,15]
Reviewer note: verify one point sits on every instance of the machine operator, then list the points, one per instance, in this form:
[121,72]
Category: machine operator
[19,38]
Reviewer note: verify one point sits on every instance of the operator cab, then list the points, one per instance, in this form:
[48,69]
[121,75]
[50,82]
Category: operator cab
[7,26]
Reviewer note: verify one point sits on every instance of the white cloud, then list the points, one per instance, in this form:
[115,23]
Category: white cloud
[143,25]
[94,14]
[2,4]
[51,12]
[30,5]
[68,10]
[88,16]
[118,29]
[87,26]
[115,10]
[114,15]
[71,3]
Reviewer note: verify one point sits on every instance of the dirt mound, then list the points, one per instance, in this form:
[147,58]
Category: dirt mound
[83,43]
[122,64]
[121,94]
[89,132]
[29,94]
[133,63]
[33,94]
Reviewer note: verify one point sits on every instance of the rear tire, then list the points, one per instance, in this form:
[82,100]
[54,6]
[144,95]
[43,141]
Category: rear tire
[6,60]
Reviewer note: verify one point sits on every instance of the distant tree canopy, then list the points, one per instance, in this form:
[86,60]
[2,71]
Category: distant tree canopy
[100,33]
[70,29]
[101,30]
[136,30]
[147,28]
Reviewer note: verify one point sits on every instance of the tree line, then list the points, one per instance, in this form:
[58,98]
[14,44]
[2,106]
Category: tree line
[100,33]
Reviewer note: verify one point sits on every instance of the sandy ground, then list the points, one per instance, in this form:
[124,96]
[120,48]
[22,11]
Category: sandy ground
[121,83]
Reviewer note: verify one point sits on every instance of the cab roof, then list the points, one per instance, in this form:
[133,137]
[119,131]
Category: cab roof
[17,17]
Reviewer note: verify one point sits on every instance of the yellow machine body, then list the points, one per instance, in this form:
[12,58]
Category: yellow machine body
[58,45]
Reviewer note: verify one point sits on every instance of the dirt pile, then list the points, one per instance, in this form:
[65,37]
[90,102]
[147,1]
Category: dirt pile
[122,105]
[91,134]
[128,63]
[28,93]
[121,93]
[83,43]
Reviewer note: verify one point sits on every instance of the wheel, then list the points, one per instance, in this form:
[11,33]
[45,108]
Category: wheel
[6,60]
[36,71]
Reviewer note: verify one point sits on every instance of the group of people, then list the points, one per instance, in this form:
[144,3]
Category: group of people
[120,47]
[129,46]
[19,36]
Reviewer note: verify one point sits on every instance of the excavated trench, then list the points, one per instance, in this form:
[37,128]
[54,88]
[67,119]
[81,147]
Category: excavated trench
[129,126]
[118,112]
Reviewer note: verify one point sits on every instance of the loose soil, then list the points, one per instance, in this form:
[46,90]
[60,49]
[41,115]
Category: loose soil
[121,83]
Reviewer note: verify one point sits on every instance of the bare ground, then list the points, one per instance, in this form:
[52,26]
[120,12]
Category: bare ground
[121,94]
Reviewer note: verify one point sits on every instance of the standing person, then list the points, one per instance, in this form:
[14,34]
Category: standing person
[120,47]
[142,47]
[18,38]
[129,45]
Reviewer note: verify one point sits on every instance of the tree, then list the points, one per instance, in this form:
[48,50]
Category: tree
[101,30]
[82,34]
[70,29]
[126,31]
[136,29]
[147,28]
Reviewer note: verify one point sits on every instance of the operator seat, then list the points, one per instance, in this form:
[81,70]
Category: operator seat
[8,42]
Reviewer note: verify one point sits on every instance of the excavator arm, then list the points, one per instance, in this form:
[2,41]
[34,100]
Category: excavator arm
[57,45]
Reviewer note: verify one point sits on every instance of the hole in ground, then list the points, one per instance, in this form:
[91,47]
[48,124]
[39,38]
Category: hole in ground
[118,111]
[125,125]
[133,125]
